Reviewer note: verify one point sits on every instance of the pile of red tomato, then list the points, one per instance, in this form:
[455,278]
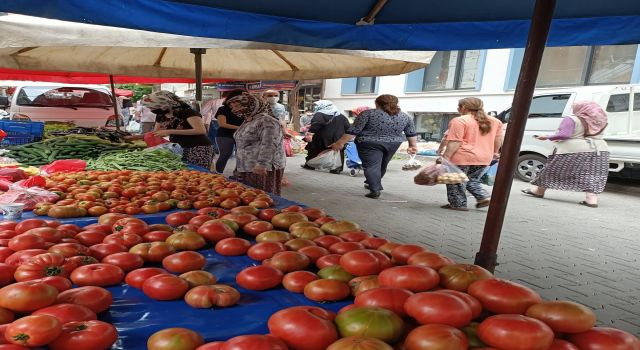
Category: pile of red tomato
[93,193]
[404,296]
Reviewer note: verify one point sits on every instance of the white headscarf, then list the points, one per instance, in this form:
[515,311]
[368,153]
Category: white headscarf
[326,107]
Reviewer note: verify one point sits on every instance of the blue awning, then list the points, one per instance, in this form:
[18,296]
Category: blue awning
[401,25]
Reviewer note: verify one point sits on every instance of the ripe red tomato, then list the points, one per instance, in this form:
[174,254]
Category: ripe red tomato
[165,287]
[372,322]
[268,214]
[265,250]
[402,253]
[217,295]
[362,284]
[601,338]
[240,218]
[327,290]
[126,239]
[441,308]
[436,336]
[186,240]
[474,304]
[49,234]
[23,256]
[345,247]
[254,342]
[232,246]
[97,299]
[180,218]
[354,236]
[156,236]
[6,274]
[66,313]
[174,339]
[89,238]
[363,263]
[25,225]
[26,241]
[43,265]
[8,225]
[392,299]
[327,241]
[82,260]
[328,260]
[296,281]
[102,250]
[304,327]
[97,275]
[515,332]
[28,296]
[69,249]
[430,259]
[503,297]
[184,262]
[6,316]
[35,330]
[199,278]
[130,225]
[137,277]
[373,242]
[126,261]
[563,316]
[286,219]
[299,243]
[388,247]
[5,252]
[104,228]
[460,276]
[413,278]
[255,228]
[85,335]
[259,277]
[199,220]
[288,261]
[356,342]
[314,253]
[562,345]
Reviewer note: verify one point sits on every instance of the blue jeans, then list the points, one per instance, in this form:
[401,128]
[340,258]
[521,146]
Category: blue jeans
[225,146]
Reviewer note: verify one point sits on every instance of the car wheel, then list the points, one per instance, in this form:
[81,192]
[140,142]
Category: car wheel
[529,166]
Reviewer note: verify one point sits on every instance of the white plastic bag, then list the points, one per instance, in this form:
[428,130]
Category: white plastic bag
[327,160]
[440,172]
[173,147]
[412,164]
[133,127]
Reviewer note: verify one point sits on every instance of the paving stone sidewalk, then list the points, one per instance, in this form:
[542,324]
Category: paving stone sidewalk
[553,245]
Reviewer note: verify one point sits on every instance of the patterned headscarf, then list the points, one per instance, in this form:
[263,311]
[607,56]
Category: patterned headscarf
[592,116]
[359,110]
[325,107]
[252,106]
[162,100]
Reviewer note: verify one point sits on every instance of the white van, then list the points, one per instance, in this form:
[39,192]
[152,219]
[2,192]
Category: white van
[622,104]
[84,105]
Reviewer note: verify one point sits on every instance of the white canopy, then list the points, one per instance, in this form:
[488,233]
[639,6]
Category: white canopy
[33,43]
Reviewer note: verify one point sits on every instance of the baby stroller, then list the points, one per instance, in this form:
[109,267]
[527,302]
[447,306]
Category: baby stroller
[353,159]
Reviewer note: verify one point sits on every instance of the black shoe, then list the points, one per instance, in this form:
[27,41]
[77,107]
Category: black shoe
[373,194]
[366,186]
[304,166]
[336,171]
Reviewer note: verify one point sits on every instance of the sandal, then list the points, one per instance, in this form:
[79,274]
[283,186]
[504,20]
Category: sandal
[448,206]
[588,204]
[530,193]
[483,203]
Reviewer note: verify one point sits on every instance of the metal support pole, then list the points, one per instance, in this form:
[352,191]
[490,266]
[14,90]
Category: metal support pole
[115,102]
[540,23]
[198,63]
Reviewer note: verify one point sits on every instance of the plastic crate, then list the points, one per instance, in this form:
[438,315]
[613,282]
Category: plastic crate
[23,128]
[13,140]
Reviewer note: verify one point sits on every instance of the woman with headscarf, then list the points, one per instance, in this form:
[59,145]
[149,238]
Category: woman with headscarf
[184,126]
[327,126]
[260,158]
[580,159]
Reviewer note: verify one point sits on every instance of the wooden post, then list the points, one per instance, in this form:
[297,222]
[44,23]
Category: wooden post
[293,106]
[540,24]
[114,100]
[198,65]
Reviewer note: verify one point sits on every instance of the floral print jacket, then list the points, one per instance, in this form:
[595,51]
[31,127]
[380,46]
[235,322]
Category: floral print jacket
[260,142]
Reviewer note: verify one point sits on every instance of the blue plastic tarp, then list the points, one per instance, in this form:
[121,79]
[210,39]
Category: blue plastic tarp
[401,25]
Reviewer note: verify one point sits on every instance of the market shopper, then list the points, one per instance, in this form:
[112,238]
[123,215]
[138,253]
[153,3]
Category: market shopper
[472,141]
[580,159]
[379,133]
[228,123]
[327,126]
[145,116]
[260,158]
[183,125]
[272,97]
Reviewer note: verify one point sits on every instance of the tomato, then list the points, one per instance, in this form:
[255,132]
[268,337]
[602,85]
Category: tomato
[354,236]
[6,274]
[255,228]
[296,281]
[363,263]
[601,338]
[356,342]
[174,339]
[217,295]
[130,225]
[102,250]
[362,284]
[69,249]
[199,278]
[28,296]
[43,265]
[156,236]
[136,277]
[474,304]
[160,227]
[515,332]
[186,241]
[268,214]
[26,241]
[240,218]
[259,278]
[327,290]
[392,299]
[12,346]
[47,233]
[26,225]
[299,243]
[304,327]
[313,253]
[335,272]
[97,299]
[66,313]
[413,278]
[373,242]
[307,231]
[436,336]
[286,219]
[232,246]
[199,220]
[403,252]
[8,225]
[562,345]
[111,218]
[85,335]
[273,236]
[265,250]
[345,247]
[216,345]
[460,276]
[6,316]
[338,227]
[97,210]
[126,239]
[165,287]
[430,259]
[5,252]
[563,316]
[97,275]
[314,213]
[59,283]
[328,260]
[184,262]
[126,261]
[82,260]
[179,218]
[153,252]
[441,308]
[106,229]
[503,297]
[89,238]
[288,261]
[35,330]
[254,342]
[372,322]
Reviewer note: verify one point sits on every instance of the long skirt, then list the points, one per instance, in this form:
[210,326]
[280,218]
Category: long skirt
[578,172]
[199,155]
[271,182]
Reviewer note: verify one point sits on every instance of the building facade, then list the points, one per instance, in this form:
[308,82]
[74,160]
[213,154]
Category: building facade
[431,94]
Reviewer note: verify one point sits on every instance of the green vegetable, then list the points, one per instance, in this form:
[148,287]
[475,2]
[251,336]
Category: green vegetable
[156,160]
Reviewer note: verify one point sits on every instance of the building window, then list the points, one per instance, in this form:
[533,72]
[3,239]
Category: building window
[562,66]
[452,70]
[612,64]
[366,85]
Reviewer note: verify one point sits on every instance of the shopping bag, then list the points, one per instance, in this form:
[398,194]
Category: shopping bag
[152,140]
[327,160]
[288,150]
[64,166]
[489,177]
[412,164]
[170,146]
[27,196]
[440,172]
[133,127]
